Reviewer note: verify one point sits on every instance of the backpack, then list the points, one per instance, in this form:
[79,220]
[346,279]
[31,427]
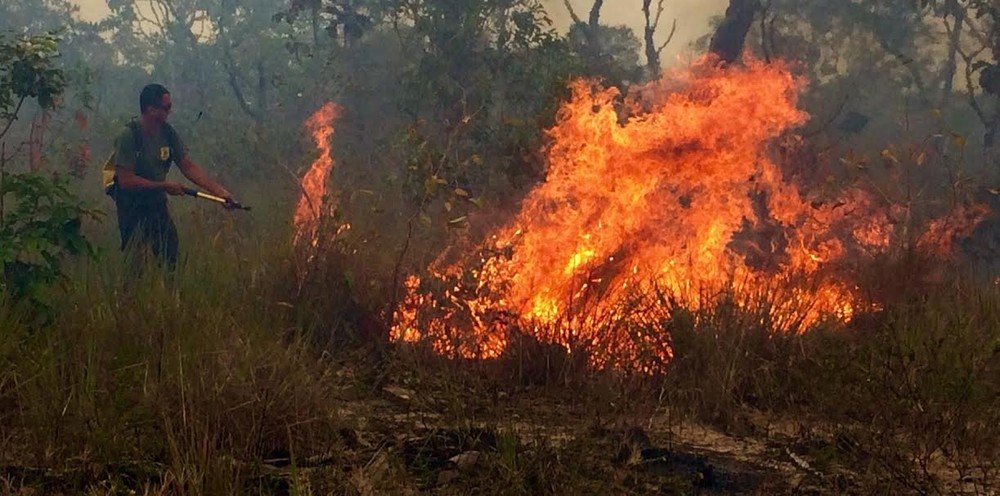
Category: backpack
[108,178]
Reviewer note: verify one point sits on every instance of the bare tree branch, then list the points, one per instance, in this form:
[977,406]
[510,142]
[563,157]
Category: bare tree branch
[162,16]
[969,59]
[670,37]
[591,28]
[659,14]
[153,19]
[595,15]
[13,117]
[234,83]
[572,13]
[764,11]
[227,43]
[977,32]
[954,33]
[653,52]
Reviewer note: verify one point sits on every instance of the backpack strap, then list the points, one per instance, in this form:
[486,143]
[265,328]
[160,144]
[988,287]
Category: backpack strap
[109,177]
[173,141]
[136,139]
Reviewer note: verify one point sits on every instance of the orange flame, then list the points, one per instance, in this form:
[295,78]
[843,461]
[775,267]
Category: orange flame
[678,199]
[941,234]
[310,208]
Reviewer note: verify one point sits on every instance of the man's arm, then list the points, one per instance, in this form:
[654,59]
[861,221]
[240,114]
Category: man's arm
[197,175]
[127,179]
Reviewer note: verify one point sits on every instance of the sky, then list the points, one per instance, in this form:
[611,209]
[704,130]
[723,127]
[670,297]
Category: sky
[92,10]
[692,17]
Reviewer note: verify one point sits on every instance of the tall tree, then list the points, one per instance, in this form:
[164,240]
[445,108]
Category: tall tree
[591,28]
[653,51]
[608,52]
[727,42]
[972,29]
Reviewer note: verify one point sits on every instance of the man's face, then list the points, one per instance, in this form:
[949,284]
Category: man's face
[160,112]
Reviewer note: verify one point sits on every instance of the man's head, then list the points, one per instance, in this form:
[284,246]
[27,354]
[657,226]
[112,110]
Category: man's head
[154,102]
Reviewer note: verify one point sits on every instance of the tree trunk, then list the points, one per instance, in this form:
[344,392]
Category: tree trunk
[727,43]
[315,24]
[262,102]
[955,37]
[593,30]
[595,15]
[590,28]
[652,55]
[36,140]
[255,112]
[3,176]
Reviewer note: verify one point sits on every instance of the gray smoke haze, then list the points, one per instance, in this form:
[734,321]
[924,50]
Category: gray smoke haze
[692,17]
[92,10]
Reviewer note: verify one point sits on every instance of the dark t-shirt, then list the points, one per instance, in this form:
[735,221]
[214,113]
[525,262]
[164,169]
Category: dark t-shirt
[158,152]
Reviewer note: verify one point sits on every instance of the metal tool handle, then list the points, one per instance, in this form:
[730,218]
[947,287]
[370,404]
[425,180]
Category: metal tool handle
[205,196]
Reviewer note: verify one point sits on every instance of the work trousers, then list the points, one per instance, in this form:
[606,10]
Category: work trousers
[148,226]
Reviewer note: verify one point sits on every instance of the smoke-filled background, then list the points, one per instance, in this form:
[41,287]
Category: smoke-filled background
[483,85]
[693,16]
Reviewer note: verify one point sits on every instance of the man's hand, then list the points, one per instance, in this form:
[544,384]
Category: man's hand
[222,193]
[173,189]
[195,174]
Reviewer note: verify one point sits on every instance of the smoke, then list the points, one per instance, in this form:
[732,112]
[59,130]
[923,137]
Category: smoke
[91,10]
[693,19]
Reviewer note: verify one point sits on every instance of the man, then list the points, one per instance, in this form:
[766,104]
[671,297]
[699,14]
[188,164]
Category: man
[145,149]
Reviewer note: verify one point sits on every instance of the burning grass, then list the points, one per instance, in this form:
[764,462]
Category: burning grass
[900,399]
[668,198]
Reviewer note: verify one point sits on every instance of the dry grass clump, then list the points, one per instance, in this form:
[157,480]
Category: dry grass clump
[916,392]
[188,379]
[907,395]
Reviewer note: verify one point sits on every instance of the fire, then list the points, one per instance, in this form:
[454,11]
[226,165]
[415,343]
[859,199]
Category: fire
[670,194]
[315,183]
[941,234]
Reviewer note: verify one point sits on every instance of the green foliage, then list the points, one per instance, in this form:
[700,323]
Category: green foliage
[36,16]
[445,106]
[467,49]
[39,218]
[40,224]
[618,59]
[28,70]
